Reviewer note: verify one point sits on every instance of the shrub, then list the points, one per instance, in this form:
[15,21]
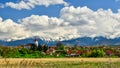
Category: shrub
[97,53]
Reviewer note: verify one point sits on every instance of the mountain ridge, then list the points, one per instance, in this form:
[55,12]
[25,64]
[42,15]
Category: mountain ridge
[83,41]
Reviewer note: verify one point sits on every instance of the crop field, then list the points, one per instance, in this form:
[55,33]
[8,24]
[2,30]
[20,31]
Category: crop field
[60,63]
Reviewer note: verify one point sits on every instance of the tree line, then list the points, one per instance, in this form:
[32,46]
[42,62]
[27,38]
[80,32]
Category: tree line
[60,50]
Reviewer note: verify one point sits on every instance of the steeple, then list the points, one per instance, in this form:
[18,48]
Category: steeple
[36,41]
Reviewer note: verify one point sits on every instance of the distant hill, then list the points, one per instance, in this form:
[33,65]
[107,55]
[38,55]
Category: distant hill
[84,41]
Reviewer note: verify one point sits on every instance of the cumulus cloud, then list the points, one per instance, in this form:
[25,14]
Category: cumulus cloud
[73,23]
[11,30]
[92,23]
[48,28]
[28,4]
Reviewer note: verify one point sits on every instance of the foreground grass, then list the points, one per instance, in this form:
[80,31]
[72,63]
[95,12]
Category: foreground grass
[58,63]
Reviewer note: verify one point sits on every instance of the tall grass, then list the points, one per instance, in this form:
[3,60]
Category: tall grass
[6,63]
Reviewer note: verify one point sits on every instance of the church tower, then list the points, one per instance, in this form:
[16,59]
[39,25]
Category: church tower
[36,42]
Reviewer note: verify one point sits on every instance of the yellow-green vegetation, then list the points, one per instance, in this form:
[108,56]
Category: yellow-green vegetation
[60,63]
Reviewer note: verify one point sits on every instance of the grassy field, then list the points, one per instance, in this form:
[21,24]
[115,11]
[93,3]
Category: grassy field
[60,63]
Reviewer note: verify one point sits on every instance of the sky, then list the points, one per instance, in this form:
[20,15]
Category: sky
[59,19]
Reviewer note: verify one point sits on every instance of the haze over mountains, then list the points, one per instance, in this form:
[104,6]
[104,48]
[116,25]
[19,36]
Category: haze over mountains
[84,41]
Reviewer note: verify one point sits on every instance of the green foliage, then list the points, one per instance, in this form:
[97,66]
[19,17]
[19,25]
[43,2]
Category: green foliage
[43,48]
[113,56]
[85,55]
[34,47]
[59,46]
[60,54]
[40,48]
[13,53]
[98,53]
[5,51]
[0,51]
[42,51]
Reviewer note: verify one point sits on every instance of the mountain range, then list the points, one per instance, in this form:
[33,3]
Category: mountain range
[83,41]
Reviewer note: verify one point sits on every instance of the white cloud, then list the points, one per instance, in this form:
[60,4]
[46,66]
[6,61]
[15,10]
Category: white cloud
[19,6]
[28,4]
[12,30]
[73,23]
[92,23]
[0,19]
[48,27]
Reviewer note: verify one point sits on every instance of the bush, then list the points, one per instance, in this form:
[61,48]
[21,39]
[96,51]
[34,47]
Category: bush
[85,55]
[97,53]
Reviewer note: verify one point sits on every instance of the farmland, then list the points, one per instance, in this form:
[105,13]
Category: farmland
[60,63]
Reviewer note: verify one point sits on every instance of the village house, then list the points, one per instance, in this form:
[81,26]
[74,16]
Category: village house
[29,46]
[32,45]
[51,50]
[108,52]
[71,53]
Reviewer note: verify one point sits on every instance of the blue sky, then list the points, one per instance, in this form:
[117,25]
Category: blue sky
[54,10]
[59,19]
